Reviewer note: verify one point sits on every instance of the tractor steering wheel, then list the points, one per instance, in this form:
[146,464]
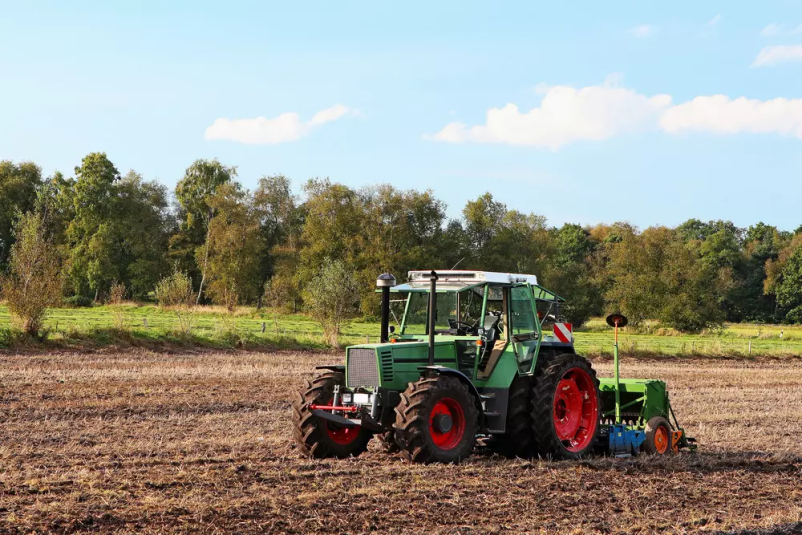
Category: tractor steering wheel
[463,326]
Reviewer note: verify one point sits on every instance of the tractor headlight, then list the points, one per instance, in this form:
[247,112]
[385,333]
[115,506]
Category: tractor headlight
[347,398]
[362,399]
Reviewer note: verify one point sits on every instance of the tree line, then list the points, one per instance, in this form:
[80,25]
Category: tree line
[99,230]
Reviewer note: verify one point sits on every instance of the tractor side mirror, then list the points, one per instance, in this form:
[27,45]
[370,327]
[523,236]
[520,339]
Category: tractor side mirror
[392,328]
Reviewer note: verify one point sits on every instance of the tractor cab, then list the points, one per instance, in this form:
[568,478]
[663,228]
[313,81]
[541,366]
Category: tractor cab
[482,313]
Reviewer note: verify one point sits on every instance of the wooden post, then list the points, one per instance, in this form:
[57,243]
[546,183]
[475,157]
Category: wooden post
[750,347]
[263,327]
[367,339]
[145,322]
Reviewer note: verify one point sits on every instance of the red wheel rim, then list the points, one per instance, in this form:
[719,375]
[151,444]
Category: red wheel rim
[447,439]
[343,435]
[340,434]
[576,410]
[661,439]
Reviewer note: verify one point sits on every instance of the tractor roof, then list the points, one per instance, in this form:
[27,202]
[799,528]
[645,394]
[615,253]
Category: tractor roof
[457,281]
[475,277]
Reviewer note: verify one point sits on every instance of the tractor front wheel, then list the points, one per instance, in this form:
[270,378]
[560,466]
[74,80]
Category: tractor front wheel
[316,436]
[658,436]
[566,407]
[436,420]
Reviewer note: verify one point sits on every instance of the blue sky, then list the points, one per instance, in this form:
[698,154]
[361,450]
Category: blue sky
[621,111]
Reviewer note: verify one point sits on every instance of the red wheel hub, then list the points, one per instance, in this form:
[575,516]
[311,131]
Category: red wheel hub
[447,424]
[343,435]
[576,409]
[340,434]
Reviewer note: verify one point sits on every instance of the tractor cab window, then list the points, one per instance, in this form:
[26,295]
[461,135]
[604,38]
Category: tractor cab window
[418,312]
[495,308]
[522,315]
[457,313]
[470,310]
[523,328]
[446,316]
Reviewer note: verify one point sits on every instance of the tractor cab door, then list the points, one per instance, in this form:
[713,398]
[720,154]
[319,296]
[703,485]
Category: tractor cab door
[524,328]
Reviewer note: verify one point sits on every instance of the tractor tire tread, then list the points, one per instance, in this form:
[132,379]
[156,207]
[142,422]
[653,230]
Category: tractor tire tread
[411,424]
[545,383]
[308,432]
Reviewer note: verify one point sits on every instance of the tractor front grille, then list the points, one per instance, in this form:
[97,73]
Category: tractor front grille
[363,369]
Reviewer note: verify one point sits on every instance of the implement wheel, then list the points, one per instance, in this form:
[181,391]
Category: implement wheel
[658,436]
[566,407]
[316,436]
[436,420]
[518,440]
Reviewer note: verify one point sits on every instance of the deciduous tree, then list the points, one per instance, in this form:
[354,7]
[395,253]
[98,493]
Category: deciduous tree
[194,191]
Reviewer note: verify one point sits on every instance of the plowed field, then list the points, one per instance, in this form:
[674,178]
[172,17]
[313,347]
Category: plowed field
[155,442]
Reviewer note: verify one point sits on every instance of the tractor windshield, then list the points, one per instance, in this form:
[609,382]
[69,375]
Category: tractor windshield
[456,310]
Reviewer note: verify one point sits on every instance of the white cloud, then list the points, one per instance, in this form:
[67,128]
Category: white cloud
[774,29]
[720,114]
[262,131]
[771,30]
[714,21]
[567,115]
[772,55]
[644,30]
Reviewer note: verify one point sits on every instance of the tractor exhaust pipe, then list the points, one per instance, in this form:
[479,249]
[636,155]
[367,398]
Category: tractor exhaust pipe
[385,282]
[432,314]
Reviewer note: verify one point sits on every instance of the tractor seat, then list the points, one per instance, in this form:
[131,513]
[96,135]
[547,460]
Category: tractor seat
[491,329]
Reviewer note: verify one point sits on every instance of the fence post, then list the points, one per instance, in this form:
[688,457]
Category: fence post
[145,322]
[750,347]
[367,339]
[263,327]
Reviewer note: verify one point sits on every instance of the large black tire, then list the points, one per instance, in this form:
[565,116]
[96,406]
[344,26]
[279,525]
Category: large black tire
[315,436]
[426,409]
[658,437]
[555,406]
[518,440]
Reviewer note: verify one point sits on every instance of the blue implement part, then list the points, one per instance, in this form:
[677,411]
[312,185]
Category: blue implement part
[624,442]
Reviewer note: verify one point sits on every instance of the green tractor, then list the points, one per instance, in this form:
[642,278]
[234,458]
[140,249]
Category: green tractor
[473,359]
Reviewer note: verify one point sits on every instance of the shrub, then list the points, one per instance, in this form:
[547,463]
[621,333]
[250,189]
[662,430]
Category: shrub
[116,296]
[175,292]
[332,297]
[33,283]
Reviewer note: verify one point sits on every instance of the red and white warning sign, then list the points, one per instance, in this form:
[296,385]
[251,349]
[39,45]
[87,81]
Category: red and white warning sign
[564,332]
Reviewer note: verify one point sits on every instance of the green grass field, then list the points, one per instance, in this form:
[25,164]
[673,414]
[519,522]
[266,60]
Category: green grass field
[148,325]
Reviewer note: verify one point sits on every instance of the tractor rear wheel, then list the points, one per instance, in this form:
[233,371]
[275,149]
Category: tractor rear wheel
[566,407]
[436,420]
[658,436]
[518,439]
[316,436]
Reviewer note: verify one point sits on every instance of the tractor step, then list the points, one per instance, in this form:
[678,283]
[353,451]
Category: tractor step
[485,397]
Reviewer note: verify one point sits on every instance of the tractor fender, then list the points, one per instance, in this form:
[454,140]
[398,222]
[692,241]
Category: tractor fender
[442,370]
[332,367]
